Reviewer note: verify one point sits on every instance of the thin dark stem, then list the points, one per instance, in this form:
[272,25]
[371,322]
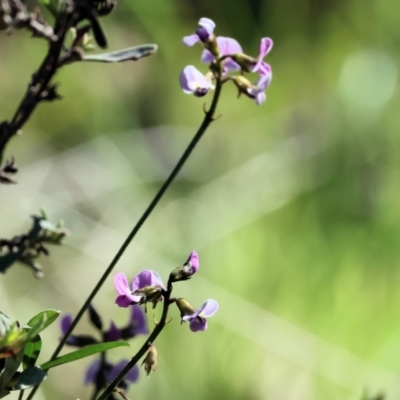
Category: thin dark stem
[208,118]
[21,395]
[142,351]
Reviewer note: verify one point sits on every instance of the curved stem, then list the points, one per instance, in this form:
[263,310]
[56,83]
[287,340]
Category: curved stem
[208,118]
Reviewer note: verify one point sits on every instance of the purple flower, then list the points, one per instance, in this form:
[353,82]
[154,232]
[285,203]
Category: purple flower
[137,325]
[202,34]
[145,286]
[257,92]
[194,82]
[105,372]
[227,46]
[198,318]
[265,47]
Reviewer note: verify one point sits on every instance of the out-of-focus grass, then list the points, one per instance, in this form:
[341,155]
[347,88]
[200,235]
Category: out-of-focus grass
[293,206]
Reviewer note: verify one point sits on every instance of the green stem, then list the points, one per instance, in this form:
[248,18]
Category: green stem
[208,118]
[143,350]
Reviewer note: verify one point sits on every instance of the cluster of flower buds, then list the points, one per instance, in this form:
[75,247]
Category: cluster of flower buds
[225,55]
[147,286]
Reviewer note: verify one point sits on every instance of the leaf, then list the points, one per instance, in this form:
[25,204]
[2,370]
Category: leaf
[12,364]
[82,353]
[30,377]
[95,318]
[31,352]
[132,53]
[41,321]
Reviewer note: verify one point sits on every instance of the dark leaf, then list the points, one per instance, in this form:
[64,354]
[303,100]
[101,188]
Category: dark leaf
[30,377]
[81,340]
[95,318]
[31,352]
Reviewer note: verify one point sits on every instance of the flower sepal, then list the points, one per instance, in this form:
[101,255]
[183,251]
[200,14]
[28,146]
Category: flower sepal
[149,294]
[184,307]
[150,361]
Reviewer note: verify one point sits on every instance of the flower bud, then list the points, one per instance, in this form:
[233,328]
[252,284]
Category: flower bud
[150,361]
[184,307]
[186,271]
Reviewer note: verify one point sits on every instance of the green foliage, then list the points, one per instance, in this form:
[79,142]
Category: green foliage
[82,353]
[131,54]
[27,248]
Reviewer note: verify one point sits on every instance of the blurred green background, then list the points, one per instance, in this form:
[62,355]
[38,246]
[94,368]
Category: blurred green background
[293,206]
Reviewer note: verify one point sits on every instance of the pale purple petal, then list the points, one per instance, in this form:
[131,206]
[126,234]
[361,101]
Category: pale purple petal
[209,308]
[92,371]
[226,46]
[146,278]
[191,40]
[132,376]
[208,24]
[265,47]
[121,284]
[257,93]
[198,324]
[192,81]
[65,323]
[194,261]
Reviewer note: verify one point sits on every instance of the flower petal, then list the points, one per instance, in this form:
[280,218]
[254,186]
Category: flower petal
[208,24]
[92,371]
[132,375]
[121,284]
[125,301]
[194,261]
[191,40]
[146,278]
[138,321]
[192,81]
[113,333]
[198,324]
[65,323]
[209,308]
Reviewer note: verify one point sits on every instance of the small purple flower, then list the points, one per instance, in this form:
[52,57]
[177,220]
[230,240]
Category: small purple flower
[198,318]
[202,34]
[192,81]
[227,46]
[265,47]
[110,371]
[137,325]
[257,92]
[142,280]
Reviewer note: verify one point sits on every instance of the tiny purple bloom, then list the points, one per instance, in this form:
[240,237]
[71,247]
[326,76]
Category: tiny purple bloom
[192,81]
[198,318]
[257,93]
[92,372]
[202,34]
[141,280]
[265,47]
[227,46]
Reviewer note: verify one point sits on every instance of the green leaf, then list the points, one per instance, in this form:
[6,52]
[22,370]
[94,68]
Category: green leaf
[82,353]
[12,364]
[31,352]
[131,54]
[41,321]
[30,377]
